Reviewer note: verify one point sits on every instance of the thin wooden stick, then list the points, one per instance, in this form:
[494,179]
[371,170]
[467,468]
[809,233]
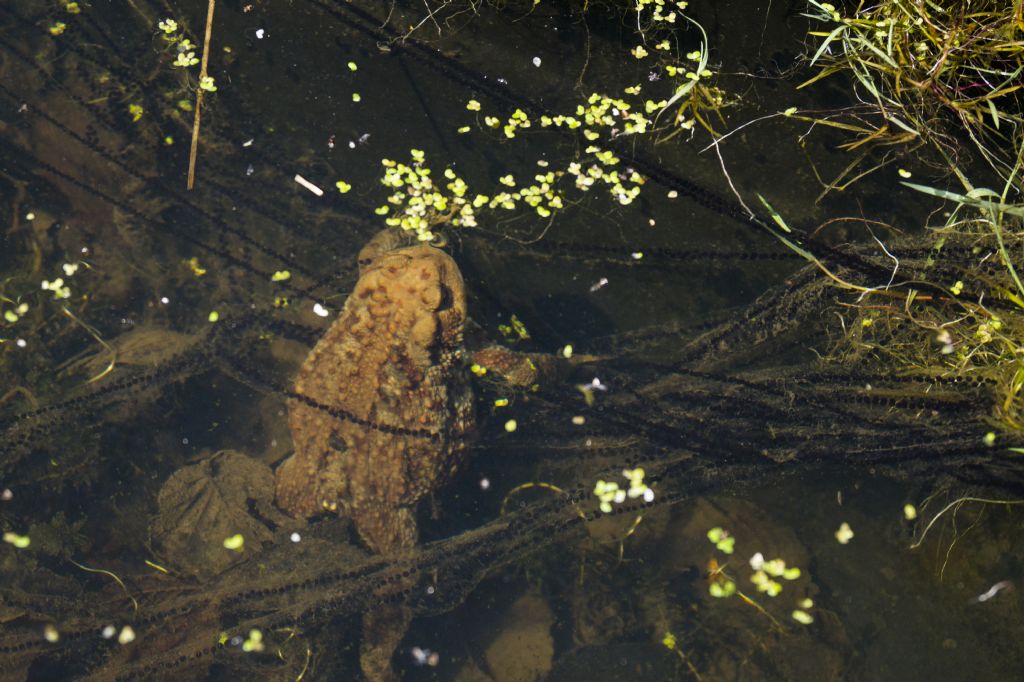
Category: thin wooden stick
[199,96]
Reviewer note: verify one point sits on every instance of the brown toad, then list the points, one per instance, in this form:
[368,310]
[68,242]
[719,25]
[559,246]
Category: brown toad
[382,410]
[385,400]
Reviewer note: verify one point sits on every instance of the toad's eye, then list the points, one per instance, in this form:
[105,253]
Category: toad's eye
[447,299]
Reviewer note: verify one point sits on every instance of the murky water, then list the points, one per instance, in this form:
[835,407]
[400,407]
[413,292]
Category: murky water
[181,317]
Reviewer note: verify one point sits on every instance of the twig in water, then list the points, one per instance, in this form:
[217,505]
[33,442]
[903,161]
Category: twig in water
[199,96]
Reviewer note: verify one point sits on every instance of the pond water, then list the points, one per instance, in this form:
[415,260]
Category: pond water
[152,336]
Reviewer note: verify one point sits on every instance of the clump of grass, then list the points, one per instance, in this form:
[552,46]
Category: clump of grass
[965,321]
[952,310]
[948,74]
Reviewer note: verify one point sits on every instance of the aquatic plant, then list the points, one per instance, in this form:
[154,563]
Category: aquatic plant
[942,75]
[598,126]
[959,319]
[764,574]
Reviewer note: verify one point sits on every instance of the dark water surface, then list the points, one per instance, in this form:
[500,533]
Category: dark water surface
[738,423]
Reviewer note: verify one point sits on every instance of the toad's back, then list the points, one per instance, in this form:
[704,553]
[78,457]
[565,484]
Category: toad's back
[385,402]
